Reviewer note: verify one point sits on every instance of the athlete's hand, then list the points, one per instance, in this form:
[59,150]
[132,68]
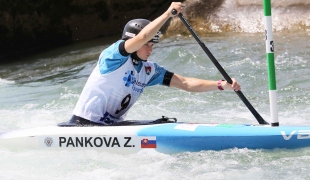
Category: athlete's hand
[177,6]
[234,86]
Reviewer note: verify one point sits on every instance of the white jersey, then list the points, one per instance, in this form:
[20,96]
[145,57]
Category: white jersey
[107,97]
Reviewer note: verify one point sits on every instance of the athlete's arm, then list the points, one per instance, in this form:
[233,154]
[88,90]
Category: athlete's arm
[149,31]
[200,85]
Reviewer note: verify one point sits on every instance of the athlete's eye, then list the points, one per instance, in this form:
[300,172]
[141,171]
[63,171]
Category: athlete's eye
[148,45]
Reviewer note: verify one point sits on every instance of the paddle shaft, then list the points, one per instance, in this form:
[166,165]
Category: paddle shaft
[220,68]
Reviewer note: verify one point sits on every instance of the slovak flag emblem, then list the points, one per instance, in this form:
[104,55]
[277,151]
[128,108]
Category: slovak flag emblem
[148,70]
[148,142]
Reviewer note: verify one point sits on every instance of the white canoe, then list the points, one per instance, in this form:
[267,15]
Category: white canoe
[166,138]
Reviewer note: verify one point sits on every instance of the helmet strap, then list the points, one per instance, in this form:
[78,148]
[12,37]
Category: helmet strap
[135,58]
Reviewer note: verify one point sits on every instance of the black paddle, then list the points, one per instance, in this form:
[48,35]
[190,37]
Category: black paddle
[220,68]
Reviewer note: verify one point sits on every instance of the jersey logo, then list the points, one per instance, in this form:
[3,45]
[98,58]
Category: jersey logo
[128,78]
[148,70]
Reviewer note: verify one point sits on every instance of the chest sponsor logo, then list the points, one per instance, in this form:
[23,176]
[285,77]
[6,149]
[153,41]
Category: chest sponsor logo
[128,78]
[137,85]
[300,134]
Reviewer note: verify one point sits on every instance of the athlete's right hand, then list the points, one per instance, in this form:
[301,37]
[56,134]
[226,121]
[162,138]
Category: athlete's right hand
[177,6]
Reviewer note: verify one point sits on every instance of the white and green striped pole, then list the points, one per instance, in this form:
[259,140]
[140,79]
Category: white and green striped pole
[271,65]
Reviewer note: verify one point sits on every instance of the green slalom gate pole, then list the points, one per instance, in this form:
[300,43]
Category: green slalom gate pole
[271,65]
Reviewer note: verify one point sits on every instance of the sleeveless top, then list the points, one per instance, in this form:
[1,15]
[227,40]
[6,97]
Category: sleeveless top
[109,94]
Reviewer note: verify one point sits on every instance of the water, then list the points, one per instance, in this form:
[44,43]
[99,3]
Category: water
[246,16]
[43,91]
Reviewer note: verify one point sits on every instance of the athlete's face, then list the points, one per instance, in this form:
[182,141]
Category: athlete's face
[145,51]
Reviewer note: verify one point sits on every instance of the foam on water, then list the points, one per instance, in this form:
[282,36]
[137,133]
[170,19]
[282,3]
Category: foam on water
[247,16]
[148,164]
[4,82]
[46,101]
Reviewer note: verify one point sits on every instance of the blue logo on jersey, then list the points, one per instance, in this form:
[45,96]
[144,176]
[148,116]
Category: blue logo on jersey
[128,78]
[106,118]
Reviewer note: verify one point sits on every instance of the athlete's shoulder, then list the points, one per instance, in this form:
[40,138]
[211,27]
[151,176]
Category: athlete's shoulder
[112,49]
[111,58]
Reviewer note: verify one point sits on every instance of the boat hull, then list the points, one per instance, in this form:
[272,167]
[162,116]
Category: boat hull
[166,138]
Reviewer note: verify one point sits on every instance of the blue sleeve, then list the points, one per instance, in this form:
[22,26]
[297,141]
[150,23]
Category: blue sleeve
[111,58]
[158,77]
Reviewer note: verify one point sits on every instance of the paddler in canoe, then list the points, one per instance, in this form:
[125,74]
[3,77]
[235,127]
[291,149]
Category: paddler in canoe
[123,71]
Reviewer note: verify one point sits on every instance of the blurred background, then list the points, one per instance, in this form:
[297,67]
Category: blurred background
[29,27]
